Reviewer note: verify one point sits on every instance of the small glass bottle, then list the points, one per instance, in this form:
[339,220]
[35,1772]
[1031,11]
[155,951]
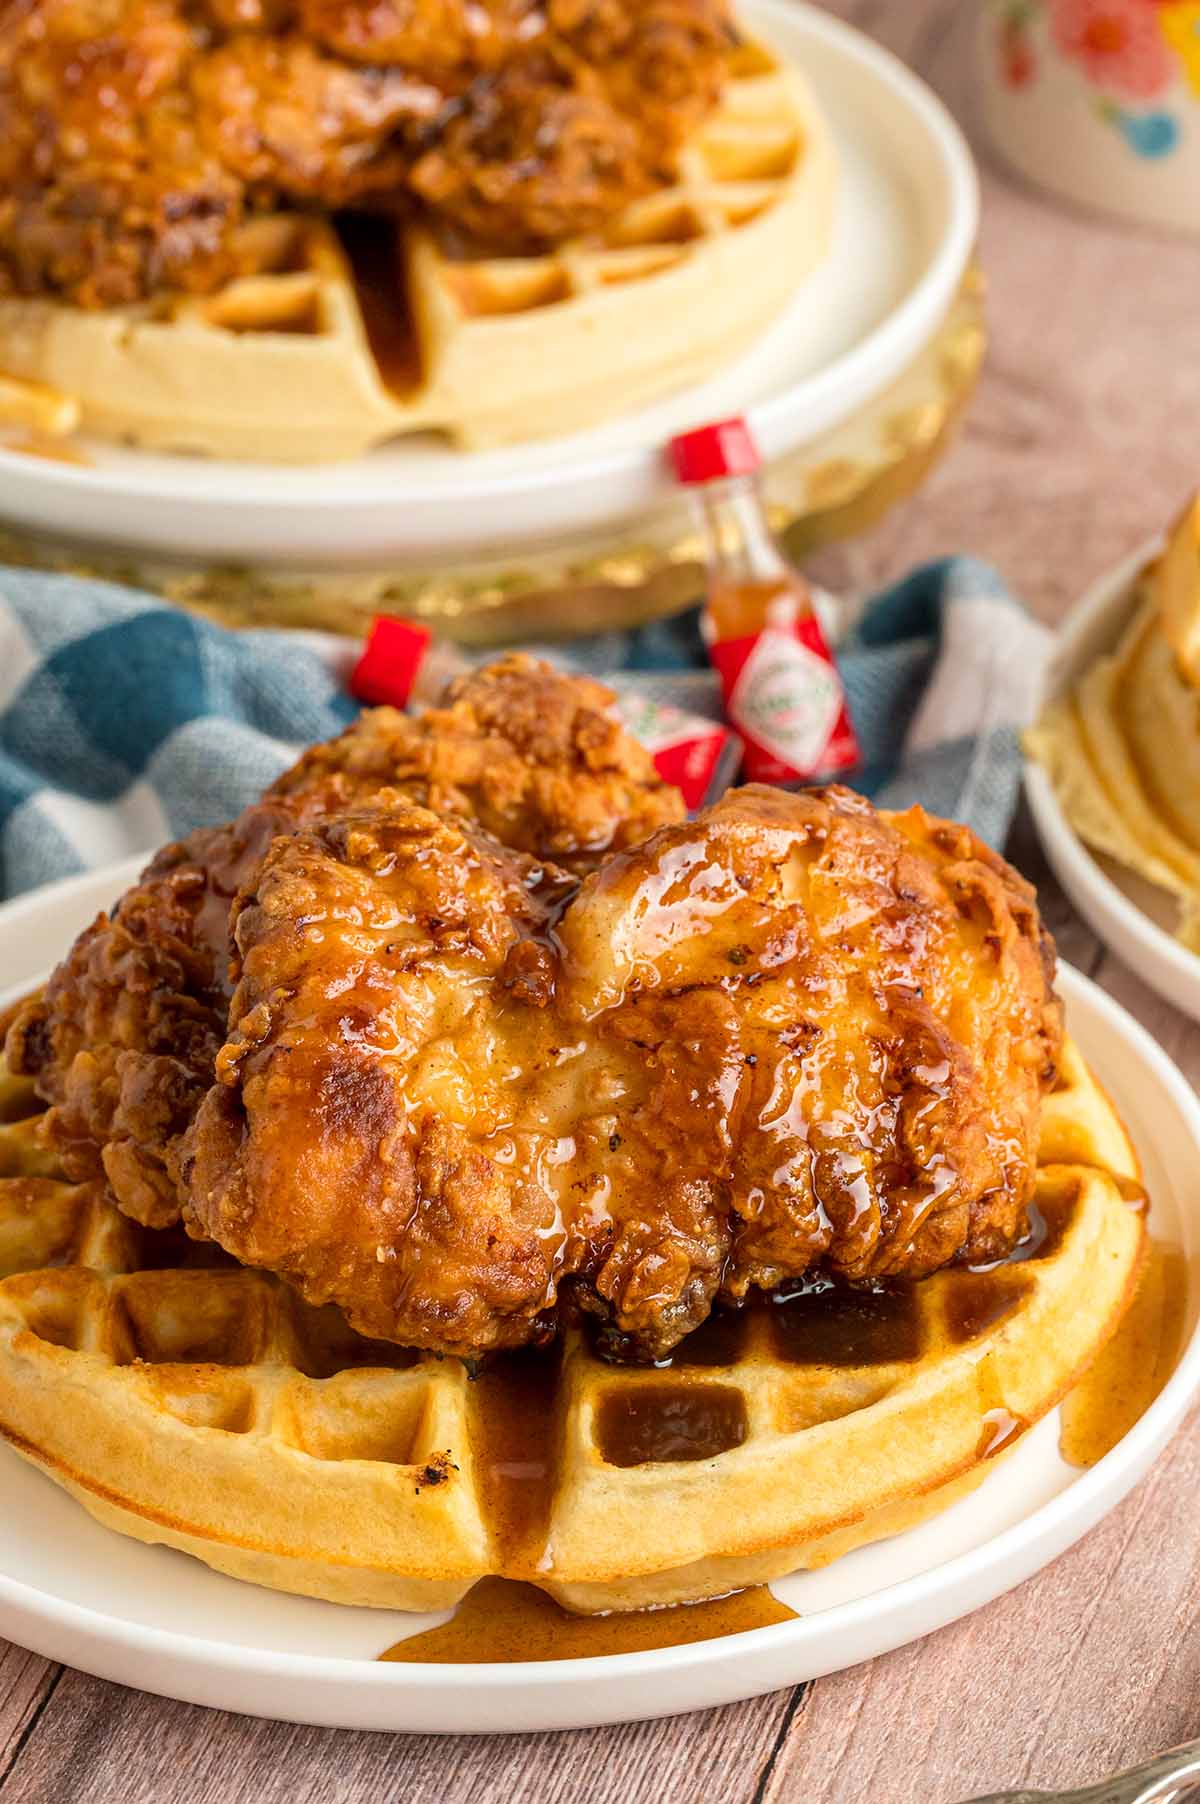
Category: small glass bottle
[782,690]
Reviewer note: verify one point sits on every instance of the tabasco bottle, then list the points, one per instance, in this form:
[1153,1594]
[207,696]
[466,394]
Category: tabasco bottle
[782,690]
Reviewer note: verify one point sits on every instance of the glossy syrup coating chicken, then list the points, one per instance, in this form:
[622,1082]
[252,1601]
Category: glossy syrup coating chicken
[791,1034]
[123,1041]
[136,136]
[602,104]
[107,191]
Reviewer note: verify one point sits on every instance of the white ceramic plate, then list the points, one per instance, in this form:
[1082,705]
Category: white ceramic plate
[155,1619]
[1129,915]
[906,223]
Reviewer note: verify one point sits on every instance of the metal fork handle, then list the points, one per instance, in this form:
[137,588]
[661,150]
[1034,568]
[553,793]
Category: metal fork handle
[1165,1780]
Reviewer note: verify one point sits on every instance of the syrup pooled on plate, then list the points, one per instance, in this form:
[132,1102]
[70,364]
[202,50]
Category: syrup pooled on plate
[500,1620]
[1134,1366]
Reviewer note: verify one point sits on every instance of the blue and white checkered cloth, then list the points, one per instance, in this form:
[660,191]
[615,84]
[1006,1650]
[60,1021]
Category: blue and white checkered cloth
[125,723]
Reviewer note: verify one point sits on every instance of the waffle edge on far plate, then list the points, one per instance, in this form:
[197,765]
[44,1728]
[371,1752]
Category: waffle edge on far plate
[185,1401]
[495,350]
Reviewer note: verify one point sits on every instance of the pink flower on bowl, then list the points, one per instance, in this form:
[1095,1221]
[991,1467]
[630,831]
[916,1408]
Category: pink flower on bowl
[1118,42]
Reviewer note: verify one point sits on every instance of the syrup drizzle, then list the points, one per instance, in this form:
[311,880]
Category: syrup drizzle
[653,1421]
[514,1433]
[381,287]
[827,1324]
[977,1301]
[998,1430]
[1132,1369]
[499,1620]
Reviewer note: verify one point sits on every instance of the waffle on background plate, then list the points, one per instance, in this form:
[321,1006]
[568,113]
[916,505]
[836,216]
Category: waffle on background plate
[184,1400]
[399,337]
[1121,746]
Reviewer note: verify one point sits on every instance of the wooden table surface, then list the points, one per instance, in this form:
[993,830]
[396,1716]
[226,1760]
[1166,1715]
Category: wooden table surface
[1083,436]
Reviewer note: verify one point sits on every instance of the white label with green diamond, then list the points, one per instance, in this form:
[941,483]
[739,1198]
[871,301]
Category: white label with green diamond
[788,699]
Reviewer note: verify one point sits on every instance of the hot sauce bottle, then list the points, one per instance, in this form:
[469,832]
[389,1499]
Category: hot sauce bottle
[782,690]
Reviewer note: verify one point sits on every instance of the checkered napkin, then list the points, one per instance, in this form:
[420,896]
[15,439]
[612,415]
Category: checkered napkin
[124,723]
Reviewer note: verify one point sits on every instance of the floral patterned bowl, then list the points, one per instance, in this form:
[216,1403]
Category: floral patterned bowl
[1099,100]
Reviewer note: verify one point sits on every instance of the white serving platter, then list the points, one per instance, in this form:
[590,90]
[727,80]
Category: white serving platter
[1130,916]
[906,223]
[155,1619]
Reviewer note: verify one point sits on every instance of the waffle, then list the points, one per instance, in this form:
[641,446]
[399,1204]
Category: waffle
[1121,747]
[335,345]
[205,1407]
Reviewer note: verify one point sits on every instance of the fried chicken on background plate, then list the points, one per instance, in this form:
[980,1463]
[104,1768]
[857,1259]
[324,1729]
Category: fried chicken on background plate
[792,1034]
[124,1040]
[137,136]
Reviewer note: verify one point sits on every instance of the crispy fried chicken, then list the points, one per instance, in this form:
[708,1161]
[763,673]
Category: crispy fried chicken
[136,136]
[792,1034]
[123,1042]
[534,757]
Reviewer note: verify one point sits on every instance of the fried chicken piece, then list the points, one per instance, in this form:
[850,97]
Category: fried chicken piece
[793,1033]
[554,146]
[894,1017]
[663,61]
[533,756]
[105,191]
[122,1044]
[410,924]
[534,156]
[434,38]
[137,136]
[284,118]
[123,1040]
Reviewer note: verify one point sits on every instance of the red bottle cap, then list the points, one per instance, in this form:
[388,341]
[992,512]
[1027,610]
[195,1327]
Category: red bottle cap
[390,661]
[725,448]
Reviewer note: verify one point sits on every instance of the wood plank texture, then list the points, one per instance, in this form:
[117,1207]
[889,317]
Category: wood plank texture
[101,1744]
[1081,440]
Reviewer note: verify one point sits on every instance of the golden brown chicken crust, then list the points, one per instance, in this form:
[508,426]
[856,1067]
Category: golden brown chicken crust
[136,136]
[533,756]
[792,1034]
[122,1042]
[123,1039]
[369,942]
[106,191]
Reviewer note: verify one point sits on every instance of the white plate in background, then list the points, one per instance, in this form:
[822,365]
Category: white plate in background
[153,1618]
[906,223]
[1129,915]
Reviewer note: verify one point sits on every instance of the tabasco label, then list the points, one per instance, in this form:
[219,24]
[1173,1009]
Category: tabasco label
[785,697]
[698,756]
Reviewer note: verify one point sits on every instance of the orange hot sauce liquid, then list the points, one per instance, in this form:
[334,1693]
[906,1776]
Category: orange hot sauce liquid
[741,610]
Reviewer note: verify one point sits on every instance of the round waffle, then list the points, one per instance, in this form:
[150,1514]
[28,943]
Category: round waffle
[381,339]
[184,1400]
